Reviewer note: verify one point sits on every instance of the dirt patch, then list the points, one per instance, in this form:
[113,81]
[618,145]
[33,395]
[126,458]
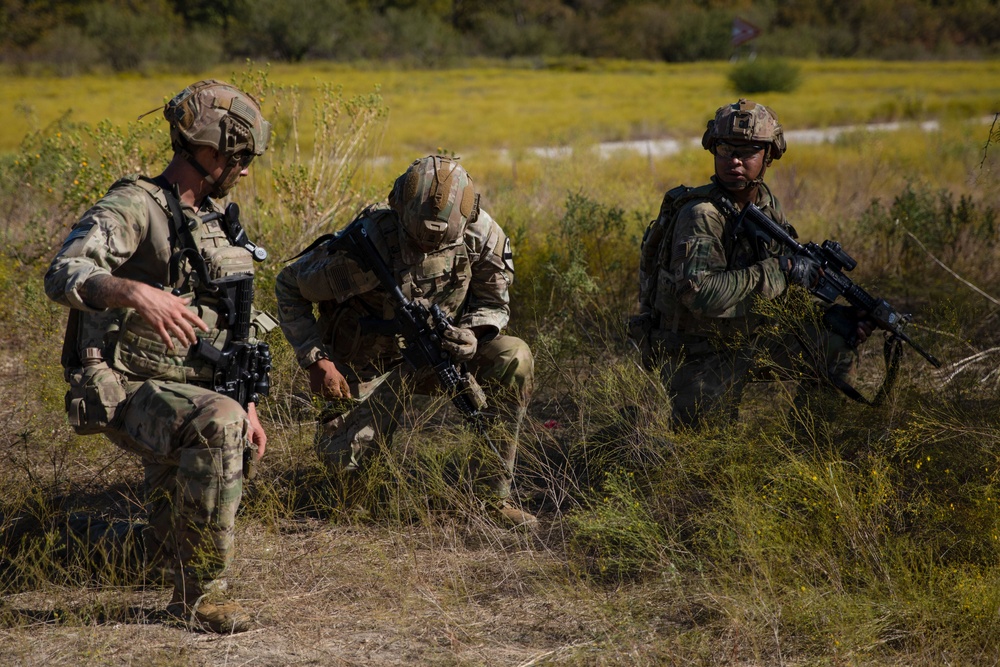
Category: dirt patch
[330,594]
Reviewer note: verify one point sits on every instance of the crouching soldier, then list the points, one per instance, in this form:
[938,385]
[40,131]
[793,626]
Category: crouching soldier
[702,277]
[440,251]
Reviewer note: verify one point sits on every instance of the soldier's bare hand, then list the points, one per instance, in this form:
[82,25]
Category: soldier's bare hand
[327,381]
[169,315]
[256,434]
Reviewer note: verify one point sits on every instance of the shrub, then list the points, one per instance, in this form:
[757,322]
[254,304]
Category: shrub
[309,195]
[503,36]
[765,76]
[67,50]
[590,272]
[287,30]
[62,170]
[131,40]
[962,235]
[616,538]
[202,50]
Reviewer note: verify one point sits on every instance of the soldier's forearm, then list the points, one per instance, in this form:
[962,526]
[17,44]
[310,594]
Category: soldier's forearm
[718,294]
[107,291]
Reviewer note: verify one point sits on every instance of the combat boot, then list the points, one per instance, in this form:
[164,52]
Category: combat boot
[513,518]
[212,612]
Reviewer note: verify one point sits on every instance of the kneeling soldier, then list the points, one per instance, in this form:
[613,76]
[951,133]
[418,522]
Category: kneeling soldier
[140,272]
[443,255]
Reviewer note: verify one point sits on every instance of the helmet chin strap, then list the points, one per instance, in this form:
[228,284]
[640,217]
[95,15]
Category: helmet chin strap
[763,168]
[193,161]
[223,186]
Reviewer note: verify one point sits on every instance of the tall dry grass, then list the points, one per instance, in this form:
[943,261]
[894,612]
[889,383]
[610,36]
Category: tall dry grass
[786,537]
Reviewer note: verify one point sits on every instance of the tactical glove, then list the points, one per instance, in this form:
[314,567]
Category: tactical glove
[849,323]
[800,270]
[461,344]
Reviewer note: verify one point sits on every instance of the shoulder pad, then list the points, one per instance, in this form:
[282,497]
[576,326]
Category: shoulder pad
[154,190]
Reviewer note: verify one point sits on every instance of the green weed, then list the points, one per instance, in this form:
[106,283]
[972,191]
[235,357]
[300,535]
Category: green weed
[812,531]
[616,538]
[765,76]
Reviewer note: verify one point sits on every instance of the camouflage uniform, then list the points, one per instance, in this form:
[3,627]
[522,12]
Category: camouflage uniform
[467,275]
[711,340]
[148,399]
[704,289]
[126,383]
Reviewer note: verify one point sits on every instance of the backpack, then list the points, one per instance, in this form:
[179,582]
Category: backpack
[659,230]
[651,250]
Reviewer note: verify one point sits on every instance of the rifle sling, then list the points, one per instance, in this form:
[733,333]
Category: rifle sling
[181,236]
[892,352]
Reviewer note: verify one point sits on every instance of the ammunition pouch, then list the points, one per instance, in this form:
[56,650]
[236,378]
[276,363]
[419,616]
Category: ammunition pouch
[96,396]
[471,389]
[250,461]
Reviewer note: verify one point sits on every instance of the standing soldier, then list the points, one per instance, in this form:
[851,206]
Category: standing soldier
[443,250]
[139,273]
[700,277]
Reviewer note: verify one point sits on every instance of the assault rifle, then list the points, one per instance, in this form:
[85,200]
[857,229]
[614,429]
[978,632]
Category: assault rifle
[421,328]
[242,369]
[833,282]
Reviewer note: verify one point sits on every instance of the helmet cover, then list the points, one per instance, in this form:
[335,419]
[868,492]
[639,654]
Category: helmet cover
[746,121]
[434,199]
[215,114]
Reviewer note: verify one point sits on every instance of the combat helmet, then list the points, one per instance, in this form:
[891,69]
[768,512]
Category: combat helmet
[746,121]
[215,114]
[435,200]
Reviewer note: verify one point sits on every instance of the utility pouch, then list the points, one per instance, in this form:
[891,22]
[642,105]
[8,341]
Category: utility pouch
[95,397]
[471,388]
[250,461]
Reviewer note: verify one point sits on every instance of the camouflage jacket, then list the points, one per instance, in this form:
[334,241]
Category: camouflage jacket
[129,234]
[708,276]
[469,279]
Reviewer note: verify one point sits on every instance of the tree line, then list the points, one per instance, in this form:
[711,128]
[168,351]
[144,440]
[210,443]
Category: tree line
[69,36]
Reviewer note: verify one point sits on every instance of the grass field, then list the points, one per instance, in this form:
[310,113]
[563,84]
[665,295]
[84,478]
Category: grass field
[873,539]
[567,102]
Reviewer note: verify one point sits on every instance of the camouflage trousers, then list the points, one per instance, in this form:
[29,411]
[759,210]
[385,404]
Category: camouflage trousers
[191,441]
[504,367]
[707,377]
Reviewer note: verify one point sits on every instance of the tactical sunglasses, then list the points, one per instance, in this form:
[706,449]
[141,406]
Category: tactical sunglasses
[244,158]
[738,151]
